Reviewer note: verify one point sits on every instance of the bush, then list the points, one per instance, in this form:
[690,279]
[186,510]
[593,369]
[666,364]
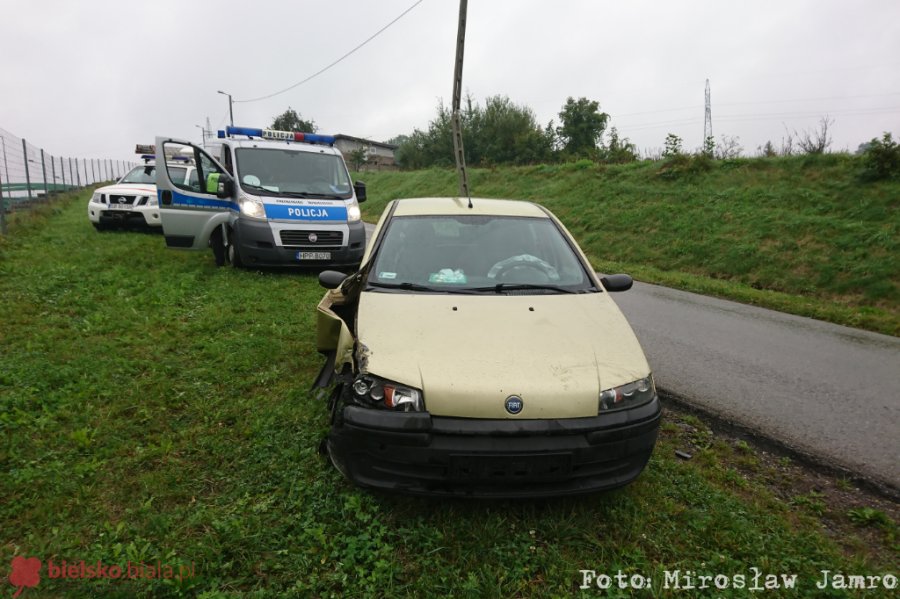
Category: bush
[677,166]
[881,159]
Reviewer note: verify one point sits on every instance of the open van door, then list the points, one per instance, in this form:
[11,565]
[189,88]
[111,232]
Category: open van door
[191,210]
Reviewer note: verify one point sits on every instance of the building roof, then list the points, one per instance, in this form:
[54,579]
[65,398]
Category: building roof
[365,141]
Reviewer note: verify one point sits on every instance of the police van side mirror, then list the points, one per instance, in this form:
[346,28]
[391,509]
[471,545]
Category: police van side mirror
[359,188]
[225,189]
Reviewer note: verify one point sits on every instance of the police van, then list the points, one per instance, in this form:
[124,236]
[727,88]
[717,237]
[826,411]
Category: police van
[264,198]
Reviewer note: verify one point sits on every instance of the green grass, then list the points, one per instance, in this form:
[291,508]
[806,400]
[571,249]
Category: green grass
[800,235]
[155,408]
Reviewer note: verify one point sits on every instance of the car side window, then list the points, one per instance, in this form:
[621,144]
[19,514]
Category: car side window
[205,168]
[178,156]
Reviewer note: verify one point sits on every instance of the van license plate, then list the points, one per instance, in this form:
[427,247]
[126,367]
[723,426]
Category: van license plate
[313,255]
[120,207]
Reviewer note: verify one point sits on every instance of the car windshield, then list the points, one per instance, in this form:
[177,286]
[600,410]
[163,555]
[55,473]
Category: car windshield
[293,173]
[477,254]
[141,174]
[177,173]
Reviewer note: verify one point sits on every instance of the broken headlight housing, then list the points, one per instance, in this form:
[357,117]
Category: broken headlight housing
[375,392]
[628,395]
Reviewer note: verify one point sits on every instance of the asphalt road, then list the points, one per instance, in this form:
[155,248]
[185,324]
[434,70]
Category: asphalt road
[828,391]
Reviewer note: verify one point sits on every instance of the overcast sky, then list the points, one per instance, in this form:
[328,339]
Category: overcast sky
[93,78]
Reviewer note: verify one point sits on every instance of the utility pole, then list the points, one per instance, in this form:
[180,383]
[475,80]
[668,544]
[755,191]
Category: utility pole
[230,109]
[458,150]
[707,118]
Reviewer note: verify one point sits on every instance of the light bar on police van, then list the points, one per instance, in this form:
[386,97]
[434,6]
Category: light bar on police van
[312,138]
[148,157]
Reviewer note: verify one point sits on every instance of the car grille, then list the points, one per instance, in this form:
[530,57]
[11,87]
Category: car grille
[117,199]
[301,238]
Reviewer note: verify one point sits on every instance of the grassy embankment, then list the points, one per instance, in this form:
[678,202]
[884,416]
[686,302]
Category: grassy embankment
[800,235]
[155,408]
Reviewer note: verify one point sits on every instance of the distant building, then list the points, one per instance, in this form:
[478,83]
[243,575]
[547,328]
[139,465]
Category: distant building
[379,155]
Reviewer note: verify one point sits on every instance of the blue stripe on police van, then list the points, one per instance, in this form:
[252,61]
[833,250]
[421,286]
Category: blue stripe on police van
[179,199]
[280,211]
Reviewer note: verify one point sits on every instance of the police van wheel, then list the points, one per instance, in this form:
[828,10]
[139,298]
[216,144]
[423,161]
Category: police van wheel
[234,255]
[218,246]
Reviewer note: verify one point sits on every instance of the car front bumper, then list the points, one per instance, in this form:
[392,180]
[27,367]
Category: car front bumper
[258,247]
[139,215]
[416,453]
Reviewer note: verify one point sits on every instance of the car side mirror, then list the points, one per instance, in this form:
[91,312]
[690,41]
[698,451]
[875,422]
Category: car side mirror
[331,279]
[225,188]
[619,282]
[360,189]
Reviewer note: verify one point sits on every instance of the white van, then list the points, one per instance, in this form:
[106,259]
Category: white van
[264,198]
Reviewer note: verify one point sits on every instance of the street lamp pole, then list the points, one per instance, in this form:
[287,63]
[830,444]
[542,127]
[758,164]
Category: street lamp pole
[230,109]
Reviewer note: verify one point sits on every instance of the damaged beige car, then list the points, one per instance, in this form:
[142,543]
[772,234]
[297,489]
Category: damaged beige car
[476,353]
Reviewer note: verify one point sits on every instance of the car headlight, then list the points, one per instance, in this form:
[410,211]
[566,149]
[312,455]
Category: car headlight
[152,201]
[378,393]
[252,207]
[96,198]
[628,395]
[353,213]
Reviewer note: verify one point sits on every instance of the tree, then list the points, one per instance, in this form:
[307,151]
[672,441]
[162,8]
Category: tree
[729,147]
[358,157]
[290,120]
[767,150]
[673,146]
[506,133]
[619,150]
[816,141]
[501,132]
[881,159]
[582,127]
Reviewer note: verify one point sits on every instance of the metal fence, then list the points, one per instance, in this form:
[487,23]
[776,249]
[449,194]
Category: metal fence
[30,176]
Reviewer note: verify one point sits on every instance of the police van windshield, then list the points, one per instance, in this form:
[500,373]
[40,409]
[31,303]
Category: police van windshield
[476,254]
[276,171]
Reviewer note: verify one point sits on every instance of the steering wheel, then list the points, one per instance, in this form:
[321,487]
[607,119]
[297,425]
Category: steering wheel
[522,263]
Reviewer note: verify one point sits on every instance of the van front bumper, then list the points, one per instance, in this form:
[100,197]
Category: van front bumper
[416,453]
[258,247]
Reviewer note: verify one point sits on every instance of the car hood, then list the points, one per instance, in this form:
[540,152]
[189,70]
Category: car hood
[128,189]
[469,353]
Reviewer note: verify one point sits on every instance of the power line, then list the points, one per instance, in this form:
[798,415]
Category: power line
[316,74]
[720,104]
[762,117]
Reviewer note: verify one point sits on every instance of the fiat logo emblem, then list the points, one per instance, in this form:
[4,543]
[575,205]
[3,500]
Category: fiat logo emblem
[313,238]
[514,404]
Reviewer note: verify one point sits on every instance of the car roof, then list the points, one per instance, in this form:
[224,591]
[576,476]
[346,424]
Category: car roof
[480,206]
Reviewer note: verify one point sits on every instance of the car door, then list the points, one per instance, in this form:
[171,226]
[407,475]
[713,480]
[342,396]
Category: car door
[191,208]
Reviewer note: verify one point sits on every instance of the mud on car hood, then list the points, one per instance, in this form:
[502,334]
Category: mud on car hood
[469,353]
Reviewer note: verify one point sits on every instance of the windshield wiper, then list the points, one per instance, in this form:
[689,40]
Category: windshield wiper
[265,190]
[307,194]
[417,287]
[501,287]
